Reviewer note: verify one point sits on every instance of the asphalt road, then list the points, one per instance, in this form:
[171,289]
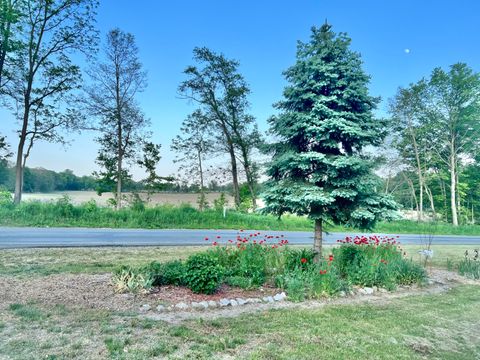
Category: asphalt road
[82,237]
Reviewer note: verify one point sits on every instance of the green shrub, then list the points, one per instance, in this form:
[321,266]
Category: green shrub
[295,258]
[295,286]
[241,282]
[408,272]
[64,206]
[169,273]
[204,273]
[258,263]
[5,198]
[136,203]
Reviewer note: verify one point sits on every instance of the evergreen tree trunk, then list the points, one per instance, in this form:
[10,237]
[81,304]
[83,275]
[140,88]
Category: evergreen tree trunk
[317,240]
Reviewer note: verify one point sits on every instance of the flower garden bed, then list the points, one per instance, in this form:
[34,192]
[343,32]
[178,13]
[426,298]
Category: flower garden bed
[252,269]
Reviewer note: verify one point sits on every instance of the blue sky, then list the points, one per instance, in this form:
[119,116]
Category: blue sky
[262,35]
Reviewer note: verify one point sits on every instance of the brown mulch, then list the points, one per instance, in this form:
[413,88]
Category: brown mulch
[176,294]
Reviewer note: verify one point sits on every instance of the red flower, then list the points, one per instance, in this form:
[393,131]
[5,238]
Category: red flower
[303,260]
[323,272]
[206,239]
[214,243]
[218,237]
[330,258]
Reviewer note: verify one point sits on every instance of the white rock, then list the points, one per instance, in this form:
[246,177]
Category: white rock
[233,302]
[383,290]
[268,299]
[240,301]
[361,291]
[368,290]
[375,289]
[161,308]
[204,304]
[279,297]
[224,302]
[145,308]
[181,306]
[212,304]
[196,305]
[342,294]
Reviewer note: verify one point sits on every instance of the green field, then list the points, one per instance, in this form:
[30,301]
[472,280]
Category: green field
[186,217]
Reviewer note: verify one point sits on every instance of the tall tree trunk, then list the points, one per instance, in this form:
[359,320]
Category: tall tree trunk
[249,175]
[412,191]
[233,162]
[453,188]
[21,145]
[317,240]
[430,198]
[202,187]
[459,198]
[420,175]
[19,173]
[444,196]
[420,203]
[119,168]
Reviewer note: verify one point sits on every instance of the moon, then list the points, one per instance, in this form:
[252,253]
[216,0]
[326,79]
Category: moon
[407,51]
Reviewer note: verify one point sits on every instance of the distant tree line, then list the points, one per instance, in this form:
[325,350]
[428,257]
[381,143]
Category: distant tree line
[39,180]
[43,180]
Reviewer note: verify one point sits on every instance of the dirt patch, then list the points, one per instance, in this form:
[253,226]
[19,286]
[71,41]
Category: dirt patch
[96,292]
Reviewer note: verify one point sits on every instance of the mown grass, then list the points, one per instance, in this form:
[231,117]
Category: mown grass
[60,214]
[442,326]
[32,262]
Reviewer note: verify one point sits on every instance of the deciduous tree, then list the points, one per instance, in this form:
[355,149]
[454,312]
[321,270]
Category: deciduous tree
[42,74]
[117,79]
[216,84]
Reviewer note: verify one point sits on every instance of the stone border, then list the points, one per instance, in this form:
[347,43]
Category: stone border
[222,303]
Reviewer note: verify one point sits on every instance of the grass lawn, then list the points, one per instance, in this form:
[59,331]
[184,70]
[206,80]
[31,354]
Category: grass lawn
[437,326]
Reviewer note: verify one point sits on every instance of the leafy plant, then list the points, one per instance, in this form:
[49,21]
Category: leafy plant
[204,273]
[128,279]
[5,198]
[470,266]
[169,273]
